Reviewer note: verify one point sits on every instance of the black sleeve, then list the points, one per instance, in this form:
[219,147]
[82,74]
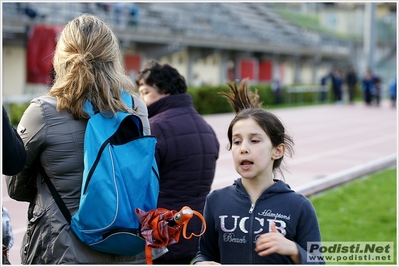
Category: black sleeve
[14,155]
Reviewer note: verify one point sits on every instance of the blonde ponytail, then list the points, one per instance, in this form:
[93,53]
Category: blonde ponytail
[88,66]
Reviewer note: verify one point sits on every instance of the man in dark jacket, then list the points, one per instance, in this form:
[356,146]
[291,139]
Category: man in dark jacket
[351,81]
[186,152]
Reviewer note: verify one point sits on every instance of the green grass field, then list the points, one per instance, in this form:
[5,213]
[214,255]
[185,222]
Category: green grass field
[360,211]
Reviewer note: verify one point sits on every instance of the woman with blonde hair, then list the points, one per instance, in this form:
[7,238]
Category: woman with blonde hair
[88,66]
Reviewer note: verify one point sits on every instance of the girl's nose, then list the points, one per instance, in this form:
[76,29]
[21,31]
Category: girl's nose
[244,150]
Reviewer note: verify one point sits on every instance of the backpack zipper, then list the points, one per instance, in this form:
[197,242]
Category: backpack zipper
[93,167]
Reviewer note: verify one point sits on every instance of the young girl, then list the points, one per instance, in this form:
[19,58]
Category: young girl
[257,220]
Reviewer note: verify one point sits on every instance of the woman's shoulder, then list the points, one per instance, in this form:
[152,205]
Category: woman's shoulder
[45,99]
[44,102]
[39,105]
[42,112]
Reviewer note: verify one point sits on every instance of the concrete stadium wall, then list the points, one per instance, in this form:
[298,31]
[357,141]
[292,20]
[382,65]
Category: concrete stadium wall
[306,73]
[210,70]
[14,75]
[14,71]
[289,74]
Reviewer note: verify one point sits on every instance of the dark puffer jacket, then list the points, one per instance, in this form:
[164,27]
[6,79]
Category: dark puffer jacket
[187,150]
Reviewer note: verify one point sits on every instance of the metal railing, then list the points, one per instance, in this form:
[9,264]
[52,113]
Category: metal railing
[319,93]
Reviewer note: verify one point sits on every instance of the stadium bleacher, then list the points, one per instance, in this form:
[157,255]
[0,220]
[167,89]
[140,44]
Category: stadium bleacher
[236,28]
[245,22]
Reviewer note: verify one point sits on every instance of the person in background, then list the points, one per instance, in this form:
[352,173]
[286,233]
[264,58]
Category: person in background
[186,151]
[134,15]
[14,159]
[277,91]
[324,86]
[8,237]
[368,87]
[351,81]
[118,9]
[337,86]
[377,89]
[259,219]
[32,12]
[392,92]
[88,67]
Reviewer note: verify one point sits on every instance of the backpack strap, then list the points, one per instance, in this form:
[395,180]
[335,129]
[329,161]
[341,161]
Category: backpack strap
[88,108]
[125,96]
[58,199]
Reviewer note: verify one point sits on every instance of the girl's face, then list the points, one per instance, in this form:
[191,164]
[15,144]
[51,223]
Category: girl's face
[253,151]
[148,93]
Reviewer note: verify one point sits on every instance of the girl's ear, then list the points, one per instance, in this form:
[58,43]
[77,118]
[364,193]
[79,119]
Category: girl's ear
[278,151]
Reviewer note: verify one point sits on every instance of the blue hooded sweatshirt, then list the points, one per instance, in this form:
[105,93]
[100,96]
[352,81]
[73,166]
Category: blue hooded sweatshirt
[234,224]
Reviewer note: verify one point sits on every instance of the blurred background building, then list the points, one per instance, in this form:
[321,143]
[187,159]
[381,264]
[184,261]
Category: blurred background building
[210,42]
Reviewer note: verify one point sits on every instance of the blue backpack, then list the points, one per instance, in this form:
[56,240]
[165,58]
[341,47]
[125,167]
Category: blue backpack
[120,175]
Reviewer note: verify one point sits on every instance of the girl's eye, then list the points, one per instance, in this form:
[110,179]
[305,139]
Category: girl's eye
[236,142]
[255,141]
